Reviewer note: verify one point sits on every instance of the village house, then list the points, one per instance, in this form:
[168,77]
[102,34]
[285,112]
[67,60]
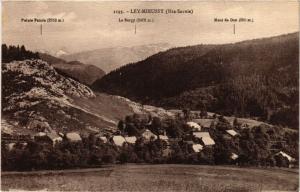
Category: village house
[204,123]
[130,140]
[205,137]
[234,156]
[118,140]
[232,132]
[55,138]
[147,134]
[10,140]
[100,137]
[164,138]
[103,139]
[19,145]
[291,160]
[194,126]
[73,137]
[11,146]
[49,138]
[197,148]
[41,138]
[40,134]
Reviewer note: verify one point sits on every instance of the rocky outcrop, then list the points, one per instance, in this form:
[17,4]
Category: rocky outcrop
[36,97]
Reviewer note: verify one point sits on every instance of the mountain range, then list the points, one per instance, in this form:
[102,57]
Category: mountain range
[257,78]
[86,74]
[109,59]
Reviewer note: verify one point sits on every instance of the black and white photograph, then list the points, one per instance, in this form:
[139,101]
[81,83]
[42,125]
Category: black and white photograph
[150,96]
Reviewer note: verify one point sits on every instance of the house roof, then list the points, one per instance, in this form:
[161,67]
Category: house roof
[104,139]
[291,159]
[197,148]
[73,136]
[193,125]
[231,132]
[118,140]
[11,146]
[54,136]
[147,134]
[204,122]
[100,136]
[164,137]
[234,156]
[131,140]
[207,140]
[201,134]
[40,134]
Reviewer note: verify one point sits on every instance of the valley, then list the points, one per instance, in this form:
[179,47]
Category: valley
[53,119]
[150,96]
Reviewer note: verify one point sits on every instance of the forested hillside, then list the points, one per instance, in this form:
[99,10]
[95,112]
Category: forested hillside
[251,78]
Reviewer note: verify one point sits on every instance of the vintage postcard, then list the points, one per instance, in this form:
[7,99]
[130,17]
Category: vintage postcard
[150,96]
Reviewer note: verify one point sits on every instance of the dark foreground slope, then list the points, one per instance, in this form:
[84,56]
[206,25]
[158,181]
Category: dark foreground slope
[156,178]
[251,78]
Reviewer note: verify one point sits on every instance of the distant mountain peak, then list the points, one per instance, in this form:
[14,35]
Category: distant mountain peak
[60,53]
[111,58]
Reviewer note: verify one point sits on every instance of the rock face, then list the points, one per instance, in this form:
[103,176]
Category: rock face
[36,97]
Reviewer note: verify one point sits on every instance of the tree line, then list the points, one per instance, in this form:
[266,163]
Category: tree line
[252,147]
[17,53]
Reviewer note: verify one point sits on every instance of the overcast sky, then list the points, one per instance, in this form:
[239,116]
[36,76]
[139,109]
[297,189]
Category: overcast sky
[91,25]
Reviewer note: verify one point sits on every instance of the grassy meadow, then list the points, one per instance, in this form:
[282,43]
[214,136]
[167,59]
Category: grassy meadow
[155,178]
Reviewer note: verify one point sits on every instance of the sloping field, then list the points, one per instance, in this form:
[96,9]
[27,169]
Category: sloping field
[155,178]
[112,108]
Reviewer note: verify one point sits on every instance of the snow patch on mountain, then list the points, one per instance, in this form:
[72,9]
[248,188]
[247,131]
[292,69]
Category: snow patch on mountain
[60,53]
